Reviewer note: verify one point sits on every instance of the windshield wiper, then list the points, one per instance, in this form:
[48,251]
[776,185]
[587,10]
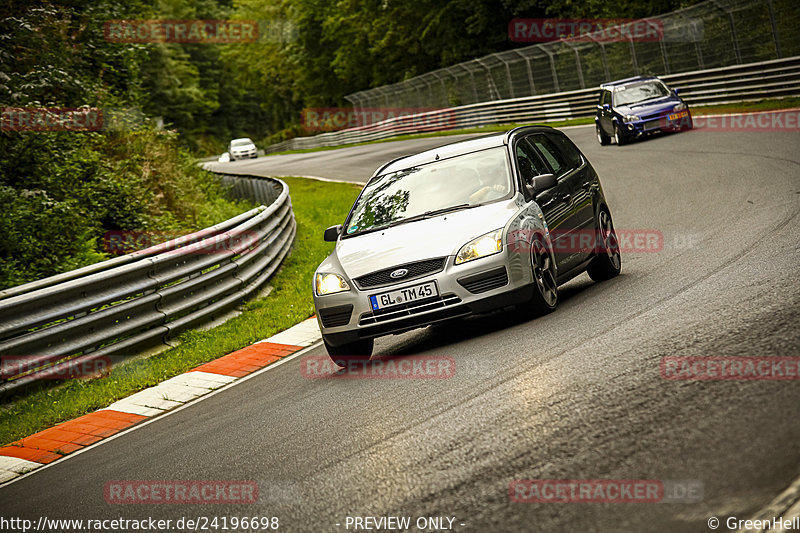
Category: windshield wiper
[433,213]
[646,100]
[421,216]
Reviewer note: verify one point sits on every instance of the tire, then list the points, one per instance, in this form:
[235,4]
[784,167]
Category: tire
[602,138]
[688,124]
[608,261]
[619,136]
[545,286]
[359,351]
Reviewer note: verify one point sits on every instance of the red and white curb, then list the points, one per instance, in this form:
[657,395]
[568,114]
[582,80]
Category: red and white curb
[47,446]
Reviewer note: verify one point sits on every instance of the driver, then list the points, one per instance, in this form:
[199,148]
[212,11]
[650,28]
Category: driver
[492,184]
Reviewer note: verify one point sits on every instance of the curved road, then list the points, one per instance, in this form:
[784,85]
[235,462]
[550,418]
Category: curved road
[576,394]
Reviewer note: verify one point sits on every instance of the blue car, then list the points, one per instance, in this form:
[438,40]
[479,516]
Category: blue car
[634,107]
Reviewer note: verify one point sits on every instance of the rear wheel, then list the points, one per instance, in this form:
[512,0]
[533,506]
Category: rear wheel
[545,287]
[607,262]
[619,137]
[602,138]
[351,352]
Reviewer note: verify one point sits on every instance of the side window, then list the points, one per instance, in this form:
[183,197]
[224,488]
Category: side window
[528,162]
[570,152]
[606,98]
[550,153]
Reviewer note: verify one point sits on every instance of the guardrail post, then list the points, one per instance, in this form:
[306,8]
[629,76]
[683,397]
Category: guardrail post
[734,38]
[698,50]
[552,68]
[508,75]
[774,29]
[444,87]
[663,47]
[430,90]
[602,54]
[472,82]
[634,62]
[420,99]
[530,70]
[577,63]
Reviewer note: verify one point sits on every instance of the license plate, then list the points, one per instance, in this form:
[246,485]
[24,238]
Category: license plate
[676,116]
[402,296]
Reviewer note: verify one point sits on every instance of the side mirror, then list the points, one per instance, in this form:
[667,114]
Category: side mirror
[332,233]
[607,107]
[676,91]
[540,183]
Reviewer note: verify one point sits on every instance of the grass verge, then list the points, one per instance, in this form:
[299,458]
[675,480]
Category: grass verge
[289,303]
[743,107]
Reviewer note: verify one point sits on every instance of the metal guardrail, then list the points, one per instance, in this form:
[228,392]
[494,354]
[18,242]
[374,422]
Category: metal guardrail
[706,35]
[133,302]
[775,78]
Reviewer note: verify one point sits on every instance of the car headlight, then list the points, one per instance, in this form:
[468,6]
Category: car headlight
[679,107]
[327,283]
[630,118]
[488,244]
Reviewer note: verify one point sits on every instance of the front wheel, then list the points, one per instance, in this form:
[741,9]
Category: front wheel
[619,136]
[351,352]
[545,287]
[608,261]
[602,138]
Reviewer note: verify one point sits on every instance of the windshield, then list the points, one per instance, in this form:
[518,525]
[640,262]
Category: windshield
[452,184]
[241,142]
[631,94]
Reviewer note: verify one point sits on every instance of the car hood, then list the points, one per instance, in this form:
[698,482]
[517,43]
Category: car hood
[650,107]
[424,239]
[243,148]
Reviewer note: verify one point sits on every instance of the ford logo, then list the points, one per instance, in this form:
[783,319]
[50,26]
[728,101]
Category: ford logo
[399,273]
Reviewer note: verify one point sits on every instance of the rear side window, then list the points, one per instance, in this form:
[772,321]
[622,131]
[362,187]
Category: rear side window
[570,152]
[528,162]
[550,153]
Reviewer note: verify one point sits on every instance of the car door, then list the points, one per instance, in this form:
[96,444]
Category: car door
[554,202]
[582,179]
[604,113]
[570,248]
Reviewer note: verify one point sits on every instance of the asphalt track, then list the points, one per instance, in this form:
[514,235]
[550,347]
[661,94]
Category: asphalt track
[576,394]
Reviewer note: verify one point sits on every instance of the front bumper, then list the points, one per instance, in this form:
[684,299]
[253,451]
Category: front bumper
[247,154]
[471,288]
[667,121]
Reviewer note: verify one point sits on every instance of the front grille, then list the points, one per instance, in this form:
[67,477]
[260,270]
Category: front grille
[415,321]
[408,309]
[336,316]
[653,124]
[415,270]
[485,281]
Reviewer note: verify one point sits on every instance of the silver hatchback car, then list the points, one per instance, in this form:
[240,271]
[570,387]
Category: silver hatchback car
[463,229]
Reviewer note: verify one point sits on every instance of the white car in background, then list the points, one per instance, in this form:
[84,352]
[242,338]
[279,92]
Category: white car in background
[242,148]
